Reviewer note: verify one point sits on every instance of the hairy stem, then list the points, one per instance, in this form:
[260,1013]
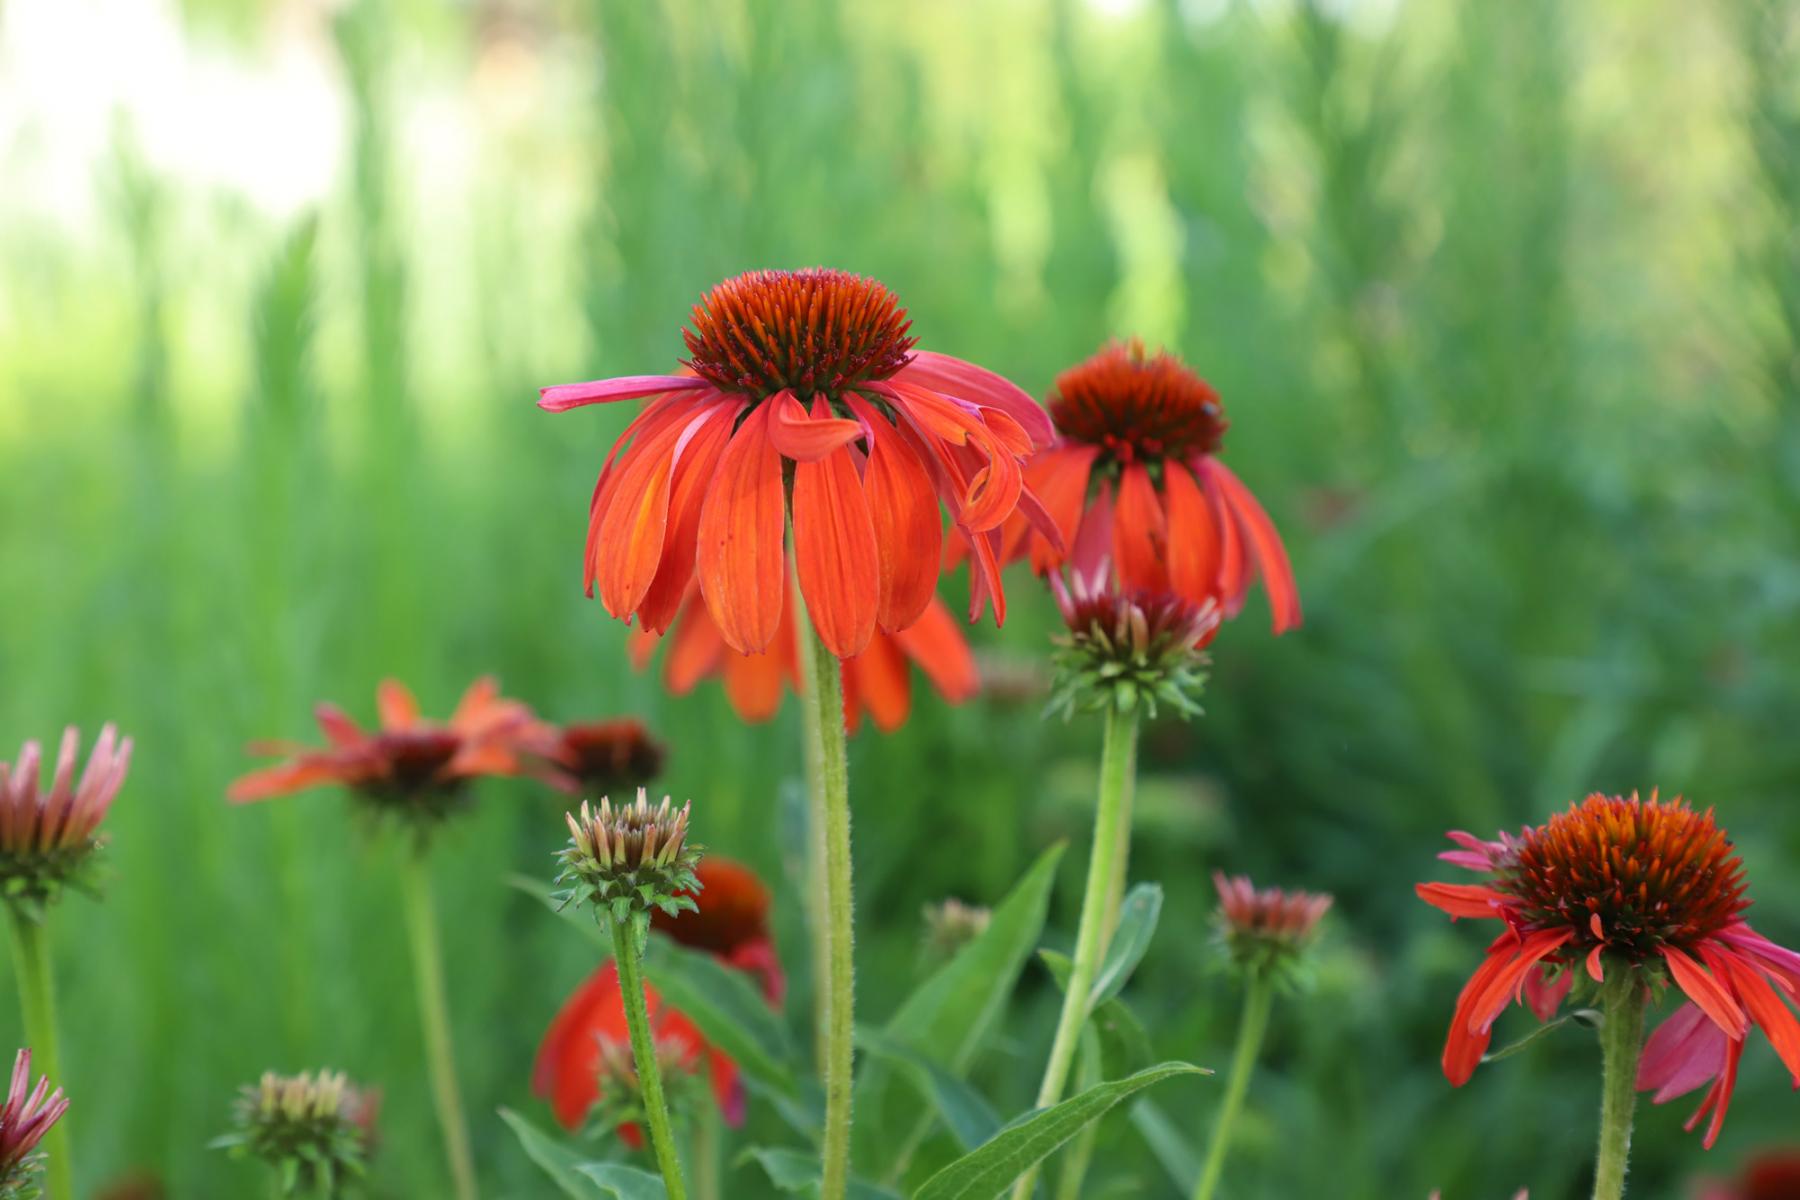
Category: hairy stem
[1258,994]
[37,1004]
[629,957]
[1621,1042]
[434,1018]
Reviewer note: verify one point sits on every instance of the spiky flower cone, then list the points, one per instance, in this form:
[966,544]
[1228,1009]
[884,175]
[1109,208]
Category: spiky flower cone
[24,1120]
[630,861]
[1128,649]
[314,1131]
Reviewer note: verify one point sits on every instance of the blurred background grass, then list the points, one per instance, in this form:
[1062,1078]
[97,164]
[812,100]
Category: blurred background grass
[1504,302]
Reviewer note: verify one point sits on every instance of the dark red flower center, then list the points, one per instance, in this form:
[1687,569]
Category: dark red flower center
[810,331]
[611,754]
[413,758]
[1138,407]
[1654,875]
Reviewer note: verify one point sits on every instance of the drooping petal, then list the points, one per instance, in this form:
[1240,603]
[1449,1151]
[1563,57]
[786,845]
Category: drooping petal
[398,707]
[903,510]
[1546,989]
[568,1059]
[1718,1099]
[742,561]
[1461,899]
[938,646]
[1685,1052]
[984,575]
[955,377]
[1707,992]
[565,396]
[1092,548]
[1234,561]
[1764,1006]
[337,725]
[1265,546]
[656,418]
[695,650]
[753,684]
[803,437]
[883,682]
[696,461]
[1464,1045]
[635,525]
[835,552]
[1196,547]
[1059,478]
[285,778]
[1140,534]
[1485,1008]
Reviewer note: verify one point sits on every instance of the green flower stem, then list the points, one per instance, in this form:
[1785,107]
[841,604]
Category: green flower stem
[37,1003]
[629,957]
[1621,1042]
[434,1017]
[707,1155]
[1117,756]
[1259,992]
[824,704]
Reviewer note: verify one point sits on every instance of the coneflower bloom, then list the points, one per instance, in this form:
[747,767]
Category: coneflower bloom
[410,764]
[804,394]
[24,1120]
[730,921]
[1135,477]
[1127,647]
[1646,886]
[609,756]
[46,836]
[879,680]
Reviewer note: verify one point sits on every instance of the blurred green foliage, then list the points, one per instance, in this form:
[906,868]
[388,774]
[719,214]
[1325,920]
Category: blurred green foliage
[1504,302]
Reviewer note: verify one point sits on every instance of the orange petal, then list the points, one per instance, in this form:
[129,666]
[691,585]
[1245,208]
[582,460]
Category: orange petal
[1265,547]
[1765,1007]
[1139,533]
[1706,992]
[398,708]
[1234,562]
[1464,1046]
[658,416]
[477,701]
[696,460]
[753,684]
[286,778]
[909,533]
[883,682]
[938,646]
[339,729]
[695,650]
[955,377]
[835,551]
[636,523]
[984,575]
[1059,477]
[1461,899]
[1486,1006]
[1195,546]
[805,438]
[741,560]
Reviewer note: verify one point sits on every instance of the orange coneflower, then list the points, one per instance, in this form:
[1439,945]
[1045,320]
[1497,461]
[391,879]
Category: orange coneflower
[804,395]
[878,680]
[1135,477]
[584,1050]
[1648,887]
[609,756]
[412,764]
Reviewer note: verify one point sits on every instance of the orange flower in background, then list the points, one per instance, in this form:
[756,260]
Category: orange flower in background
[609,756]
[410,758]
[879,680]
[805,379]
[575,1061]
[1628,884]
[1135,478]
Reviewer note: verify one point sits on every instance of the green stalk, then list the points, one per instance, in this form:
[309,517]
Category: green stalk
[706,1158]
[434,1016]
[824,704]
[1111,818]
[1621,1042]
[818,899]
[1258,995]
[629,957]
[37,1004]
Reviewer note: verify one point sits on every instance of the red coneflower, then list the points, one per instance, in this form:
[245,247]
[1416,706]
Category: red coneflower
[410,763]
[1642,886]
[807,380]
[609,756]
[730,922]
[1135,477]
[878,680]
[1127,647]
[47,836]
[1771,1175]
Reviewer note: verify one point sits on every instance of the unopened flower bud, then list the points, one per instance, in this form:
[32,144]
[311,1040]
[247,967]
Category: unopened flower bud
[1266,931]
[315,1131]
[48,836]
[630,860]
[1129,649]
[24,1120]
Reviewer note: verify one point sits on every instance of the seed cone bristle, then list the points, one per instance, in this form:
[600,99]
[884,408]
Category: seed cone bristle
[1138,407]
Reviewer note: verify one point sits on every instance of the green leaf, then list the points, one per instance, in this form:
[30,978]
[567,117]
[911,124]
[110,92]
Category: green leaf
[951,1013]
[624,1183]
[1169,1144]
[986,1172]
[1137,925]
[792,1171]
[1124,1045]
[554,901]
[1590,1017]
[726,1007]
[558,1160]
[965,1111]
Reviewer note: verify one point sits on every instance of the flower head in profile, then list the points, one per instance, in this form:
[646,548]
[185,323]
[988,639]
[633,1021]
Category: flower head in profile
[48,836]
[583,1065]
[1127,648]
[24,1119]
[804,397]
[878,681]
[1135,477]
[631,860]
[410,766]
[315,1132]
[1649,887]
[609,756]
[1266,930]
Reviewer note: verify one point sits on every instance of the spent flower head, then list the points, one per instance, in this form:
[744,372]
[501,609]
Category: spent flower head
[24,1120]
[951,924]
[1128,649]
[631,860]
[1267,930]
[48,838]
[316,1132]
[610,756]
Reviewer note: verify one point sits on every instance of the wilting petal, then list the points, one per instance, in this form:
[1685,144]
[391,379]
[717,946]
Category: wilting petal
[1685,1052]
[938,646]
[1059,477]
[984,575]
[1461,899]
[565,396]
[904,513]
[1265,546]
[396,704]
[1763,1005]
[805,438]
[1139,534]
[1464,1046]
[696,461]
[1485,1008]
[1718,1100]
[980,385]
[1196,548]
[883,682]
[742,562]
[835,551]
[1545,990]
[1707,992]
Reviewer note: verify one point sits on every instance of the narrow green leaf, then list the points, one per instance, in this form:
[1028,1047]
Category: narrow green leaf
[578,918]
[989,1170]
[1124,1044]
[1178,1156]
[1590,1017]
[558,1160]
[965,1111]
[792,1171]
[1137,925]
[951,1013]
[624,1183]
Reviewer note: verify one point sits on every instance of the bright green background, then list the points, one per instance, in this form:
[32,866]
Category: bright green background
[1504,302]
